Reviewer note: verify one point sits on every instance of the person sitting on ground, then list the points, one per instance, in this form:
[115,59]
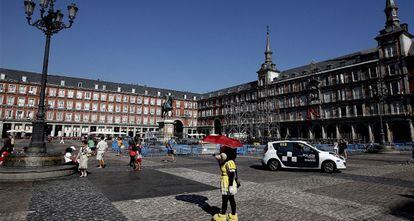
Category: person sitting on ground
[69,158]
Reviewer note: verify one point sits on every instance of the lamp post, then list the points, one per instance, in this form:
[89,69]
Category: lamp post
[50,22]
[382,91]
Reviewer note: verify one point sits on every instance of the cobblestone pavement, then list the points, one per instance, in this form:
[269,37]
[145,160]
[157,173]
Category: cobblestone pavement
[374,187]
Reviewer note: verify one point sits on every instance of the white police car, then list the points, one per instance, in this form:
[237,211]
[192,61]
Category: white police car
[300,154]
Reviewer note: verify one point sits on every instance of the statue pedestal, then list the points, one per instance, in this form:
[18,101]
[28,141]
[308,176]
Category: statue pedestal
[167,128]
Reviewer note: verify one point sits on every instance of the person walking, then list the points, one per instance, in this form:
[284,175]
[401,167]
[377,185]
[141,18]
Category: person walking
[138,158]
[62,141]
[83,156]
[132,154]
[91,144]
[228,183]
[102,147]
[335,147]
[170,152]
[342,149]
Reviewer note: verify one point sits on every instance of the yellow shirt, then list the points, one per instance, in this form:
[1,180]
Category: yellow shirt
[229,166]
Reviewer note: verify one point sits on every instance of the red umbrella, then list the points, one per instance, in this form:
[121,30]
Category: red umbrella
[223,140]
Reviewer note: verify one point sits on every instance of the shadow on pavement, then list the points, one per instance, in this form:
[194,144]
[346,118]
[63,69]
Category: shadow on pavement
[405,210]
[199,201]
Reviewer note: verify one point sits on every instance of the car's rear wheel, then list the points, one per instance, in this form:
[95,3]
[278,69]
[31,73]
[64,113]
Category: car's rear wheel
[328,167]
[273,165]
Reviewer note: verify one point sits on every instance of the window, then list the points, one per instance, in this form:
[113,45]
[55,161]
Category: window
[9,114]
[61,92]
[62,83]
[78,106]
[139,100]
[118,108]
[1,87]
[109,119]
[145,110]
[124,119]
[177,104]
[132,100]
[355,76]
[79,94]
[95,107]
[61,104]
[111,98]
[68,116]
[125,99]
[103,87]
[118,98]
[102,119]
[21,101]
[131,109]
[79,84]
[152,111]
[12,88]
[85,117]
[59,116]
[110,107]
[158,112]
[95,96]
[49,115]
[117,119]
[22,89]
[96,86]
[103,107]
[52,92]
[19,114]
[158,102]
[119,89]
[131,119]
[146,101]
[86,106]
[31,102]
[70,93]
[395,88]
[125,109]
[94,118]
[87,95]
[152,101]
[69,105]
[139,110]
[51,104]
[77,117]
[103,97]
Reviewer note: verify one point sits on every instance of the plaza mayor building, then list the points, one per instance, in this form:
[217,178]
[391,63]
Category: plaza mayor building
[358,97]
[351,96]
[76,106]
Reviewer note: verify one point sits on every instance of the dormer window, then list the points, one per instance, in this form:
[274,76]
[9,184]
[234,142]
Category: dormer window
[119,89]
[79,84]
[24,78]
[146,92]
[133,90]
[158,94]
[2,76]
[185,96]
[96,86]
[103,87]
[194,98]
[62,83]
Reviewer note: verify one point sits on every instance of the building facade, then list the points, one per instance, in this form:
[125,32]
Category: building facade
[77,106]
[350,97]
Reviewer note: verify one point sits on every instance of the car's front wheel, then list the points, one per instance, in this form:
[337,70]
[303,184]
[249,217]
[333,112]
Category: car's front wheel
[328,167]
[273,165]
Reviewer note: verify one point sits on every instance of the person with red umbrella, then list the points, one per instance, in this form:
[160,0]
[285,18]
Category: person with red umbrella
[228,179]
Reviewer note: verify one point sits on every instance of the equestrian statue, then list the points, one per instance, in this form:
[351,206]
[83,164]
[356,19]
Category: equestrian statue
[167,106]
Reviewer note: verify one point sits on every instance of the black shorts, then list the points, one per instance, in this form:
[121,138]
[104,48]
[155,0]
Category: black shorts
[170,152]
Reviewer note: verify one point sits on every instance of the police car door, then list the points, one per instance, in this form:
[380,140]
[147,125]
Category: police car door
[285,154]
[307,156]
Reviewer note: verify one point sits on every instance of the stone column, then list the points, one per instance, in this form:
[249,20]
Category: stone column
[363,110]
[371,135]
[53,130]
[310,134]
[12,126]
[287,132]
[135,131]
[338,135]
[1,128]
[323,132]
[388,133]
[72,132]
[353,132]
[410,123]
[278,133]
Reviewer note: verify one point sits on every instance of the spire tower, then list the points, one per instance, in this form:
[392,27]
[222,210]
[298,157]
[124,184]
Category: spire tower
[268,52]
[392,16]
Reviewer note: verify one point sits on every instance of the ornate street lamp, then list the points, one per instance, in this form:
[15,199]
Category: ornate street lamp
[50,22]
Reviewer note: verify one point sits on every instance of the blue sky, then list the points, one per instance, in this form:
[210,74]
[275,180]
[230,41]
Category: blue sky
[192,45]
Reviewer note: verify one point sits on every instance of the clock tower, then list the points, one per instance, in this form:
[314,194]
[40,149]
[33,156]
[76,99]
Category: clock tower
[268,71]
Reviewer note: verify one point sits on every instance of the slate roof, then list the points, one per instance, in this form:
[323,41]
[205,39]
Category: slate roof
[16,76]
[342,61]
